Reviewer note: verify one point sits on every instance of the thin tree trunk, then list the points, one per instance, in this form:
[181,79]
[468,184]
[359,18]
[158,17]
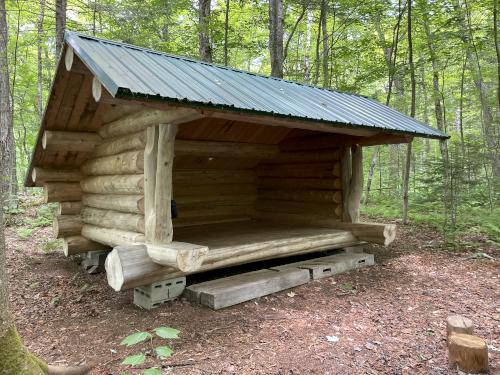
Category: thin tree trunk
[406,175]
[40,64]
[292,32]
[61,6]
[326,50]
[276,37]
[226,31]
[497,49]
[318,43]
[307,64]
[204,30]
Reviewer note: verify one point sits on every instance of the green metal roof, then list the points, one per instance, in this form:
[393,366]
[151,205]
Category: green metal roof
[128,71]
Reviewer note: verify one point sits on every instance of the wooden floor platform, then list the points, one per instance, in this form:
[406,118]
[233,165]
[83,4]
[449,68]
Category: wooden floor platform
[229,291]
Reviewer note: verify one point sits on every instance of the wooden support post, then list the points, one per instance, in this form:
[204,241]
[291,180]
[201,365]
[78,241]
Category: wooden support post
[158,164]
[352,182]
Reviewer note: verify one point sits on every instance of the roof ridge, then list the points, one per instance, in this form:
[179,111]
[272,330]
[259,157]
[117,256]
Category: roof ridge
[216,65]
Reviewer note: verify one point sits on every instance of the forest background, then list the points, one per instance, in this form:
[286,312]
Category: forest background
[437,60]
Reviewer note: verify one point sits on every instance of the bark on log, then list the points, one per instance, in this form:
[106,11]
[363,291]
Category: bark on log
[459,324]
[62,192]
[129,142]
[118,184]
[69,208]
[78,244]
[141,120]
[113,219]
[131,162]
[130,266]
[383,234]
[182,256]
[468,352]
[70,141]
[42,175]
[66,225]
[111,237]
[133,204]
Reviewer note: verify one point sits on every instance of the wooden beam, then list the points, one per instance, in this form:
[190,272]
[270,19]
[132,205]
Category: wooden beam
[62,192]
[299,183]
[125,203]
[111,237]
[128,142]
[324,196]
[118,184]
[113,219]
[69,208]
[70,141]
[382,234]
[73,63]
[226,149]
[138,121]
[352,182]
[66,225]
[131,162]
[78,244]
[185,257]
[299,170]
[96,89]
[41,175]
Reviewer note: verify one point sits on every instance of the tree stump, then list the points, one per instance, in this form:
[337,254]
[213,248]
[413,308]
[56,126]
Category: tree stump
[459,324]
[468,352]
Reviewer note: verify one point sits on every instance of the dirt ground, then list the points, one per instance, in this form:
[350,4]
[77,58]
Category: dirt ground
[385,319]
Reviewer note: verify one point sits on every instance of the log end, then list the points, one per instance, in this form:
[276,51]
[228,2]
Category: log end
[459,324]
[114,270]
[389,234]
[182,256]
[468,352]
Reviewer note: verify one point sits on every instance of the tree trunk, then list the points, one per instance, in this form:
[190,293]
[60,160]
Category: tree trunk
[226,31]
[40,65]
[326,49]
[307,64]
[276,37]
[61,6]
[204,30]
[497,49]
[407,170]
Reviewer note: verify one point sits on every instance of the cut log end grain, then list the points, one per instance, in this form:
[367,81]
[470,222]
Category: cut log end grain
[459,324]
[182,256]
[467,352]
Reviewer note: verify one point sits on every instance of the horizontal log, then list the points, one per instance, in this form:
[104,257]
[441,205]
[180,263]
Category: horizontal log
[129,142]
[113,219]
[195,201]
[226,149]
[78,244]
[125,203]
[182,256]
[66,225]
[383,234]
[69,208]
[130,266]
[70,141]
[327,196]
[42,175]
[131,162]
[212,190]
[62,192]
[141,120]
[196,221]
[207,212]
[111,237]
[117,184]
[300,170]
[210,176]
[315,156]
[299,183]
[267,205]
[196,162]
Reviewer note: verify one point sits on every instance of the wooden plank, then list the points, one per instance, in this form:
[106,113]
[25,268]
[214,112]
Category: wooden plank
[236,289]
[331,265]
[299,183]
[300,170]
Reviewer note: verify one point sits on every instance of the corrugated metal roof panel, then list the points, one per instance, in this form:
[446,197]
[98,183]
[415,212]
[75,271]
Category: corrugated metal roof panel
[124,69]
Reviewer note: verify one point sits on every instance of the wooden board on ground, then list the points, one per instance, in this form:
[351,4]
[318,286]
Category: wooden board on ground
[331,265]
[232,290]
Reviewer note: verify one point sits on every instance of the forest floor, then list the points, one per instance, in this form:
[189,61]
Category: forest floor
[385,319]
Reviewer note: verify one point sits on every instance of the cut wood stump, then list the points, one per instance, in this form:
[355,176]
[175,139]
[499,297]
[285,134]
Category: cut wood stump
[467,352]
[459,324]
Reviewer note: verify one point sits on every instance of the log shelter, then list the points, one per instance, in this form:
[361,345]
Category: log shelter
[178,166]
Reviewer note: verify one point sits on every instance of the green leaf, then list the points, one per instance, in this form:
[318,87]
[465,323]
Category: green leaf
[134,360]
[167,332]
[135,338]
[163,352]
[153,371]
[126,373]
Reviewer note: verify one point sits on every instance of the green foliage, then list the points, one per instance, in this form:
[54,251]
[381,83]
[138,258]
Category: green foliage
[24,233]
[167,332]
[162,352]
[44,217]
[134,360]
[135,338]
[52,245]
